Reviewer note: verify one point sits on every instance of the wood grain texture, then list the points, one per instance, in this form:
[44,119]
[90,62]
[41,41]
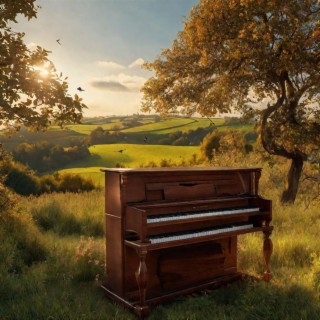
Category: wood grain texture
[140,274]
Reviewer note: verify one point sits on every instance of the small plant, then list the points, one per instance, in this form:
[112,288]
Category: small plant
[89,260]
[315,270]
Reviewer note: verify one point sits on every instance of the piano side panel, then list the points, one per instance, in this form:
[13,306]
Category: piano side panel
[113,198]
[114,254]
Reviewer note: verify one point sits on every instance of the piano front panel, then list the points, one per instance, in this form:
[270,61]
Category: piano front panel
[167,186]
[208,187]
[176,268]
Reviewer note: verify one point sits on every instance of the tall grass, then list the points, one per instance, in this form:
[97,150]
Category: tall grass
[68,213]
[69,228]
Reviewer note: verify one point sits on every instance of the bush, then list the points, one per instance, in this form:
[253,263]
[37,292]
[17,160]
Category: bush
[24,182]
[24,241]
[89,260]
[74,183]
[223,142]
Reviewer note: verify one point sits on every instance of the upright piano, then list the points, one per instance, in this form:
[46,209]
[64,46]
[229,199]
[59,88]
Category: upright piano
[172,231]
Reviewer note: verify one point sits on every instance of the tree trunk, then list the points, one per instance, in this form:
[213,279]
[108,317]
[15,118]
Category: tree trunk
[293,178]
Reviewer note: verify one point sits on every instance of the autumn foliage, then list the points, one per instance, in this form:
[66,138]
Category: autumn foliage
[256,57]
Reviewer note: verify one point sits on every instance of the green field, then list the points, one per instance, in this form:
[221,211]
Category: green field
[87,128]
[155,131]
[134,155]
[174,124]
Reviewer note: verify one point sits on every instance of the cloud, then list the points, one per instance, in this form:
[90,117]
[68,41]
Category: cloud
[109,86]
[136,63]
[119,83]
[110,65]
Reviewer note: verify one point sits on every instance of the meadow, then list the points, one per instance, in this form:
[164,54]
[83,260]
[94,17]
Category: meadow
[62,265]
[133,155]
[174,124]
[148,126]
[53,255]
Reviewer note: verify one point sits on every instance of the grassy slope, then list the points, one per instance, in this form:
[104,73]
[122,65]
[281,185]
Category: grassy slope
[54,135]
[172,125]
[134,155]
[53,289]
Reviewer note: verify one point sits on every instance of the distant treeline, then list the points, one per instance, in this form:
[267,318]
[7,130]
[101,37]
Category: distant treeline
[44,156]
[178,138]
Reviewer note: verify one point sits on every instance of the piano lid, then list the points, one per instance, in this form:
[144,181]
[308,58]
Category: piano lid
[179,169]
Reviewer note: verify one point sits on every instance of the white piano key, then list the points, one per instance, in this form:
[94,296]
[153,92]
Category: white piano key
[190,235]
[201,215]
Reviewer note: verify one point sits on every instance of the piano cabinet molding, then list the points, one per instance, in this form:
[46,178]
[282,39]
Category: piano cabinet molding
[173,231]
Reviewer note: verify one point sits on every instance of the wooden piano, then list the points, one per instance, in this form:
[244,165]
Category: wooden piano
[172,231]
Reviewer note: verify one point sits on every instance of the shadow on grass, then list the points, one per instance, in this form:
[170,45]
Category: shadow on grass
[40,298]
[245,300]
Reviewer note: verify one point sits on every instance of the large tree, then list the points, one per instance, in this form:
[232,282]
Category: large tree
[258,57]
[31,92]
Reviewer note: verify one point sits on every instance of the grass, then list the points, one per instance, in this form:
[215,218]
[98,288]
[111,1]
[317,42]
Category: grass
[87,128]
[135,155]
[173,124]
[54,135]
[64,286]
[52,256]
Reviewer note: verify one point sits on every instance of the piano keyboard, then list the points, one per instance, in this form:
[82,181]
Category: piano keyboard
[200,214]
[196,234]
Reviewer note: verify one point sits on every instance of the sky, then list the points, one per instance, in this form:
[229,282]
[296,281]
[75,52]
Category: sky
[103,44]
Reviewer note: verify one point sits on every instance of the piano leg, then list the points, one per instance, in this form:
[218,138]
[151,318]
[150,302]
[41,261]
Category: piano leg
[141,274]
[267,251]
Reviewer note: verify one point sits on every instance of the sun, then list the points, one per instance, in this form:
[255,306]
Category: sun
[42,70]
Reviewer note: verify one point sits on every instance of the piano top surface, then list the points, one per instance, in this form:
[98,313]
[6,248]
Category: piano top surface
[178,169]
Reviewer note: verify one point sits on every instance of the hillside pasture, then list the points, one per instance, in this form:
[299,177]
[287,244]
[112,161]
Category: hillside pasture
[54,135]
[87,128]
[174,124]
[133,155]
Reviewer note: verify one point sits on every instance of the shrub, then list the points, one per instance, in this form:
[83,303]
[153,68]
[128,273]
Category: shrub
[74,183]
[22,180]
[20,236]
[89,260]
[223,142]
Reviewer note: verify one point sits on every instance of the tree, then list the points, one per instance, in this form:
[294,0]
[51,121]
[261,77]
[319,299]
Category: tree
[31,92]
[258,57]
